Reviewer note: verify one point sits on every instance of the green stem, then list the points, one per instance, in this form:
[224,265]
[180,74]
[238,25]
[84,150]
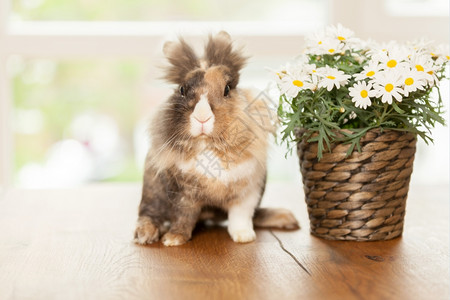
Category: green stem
[383,115]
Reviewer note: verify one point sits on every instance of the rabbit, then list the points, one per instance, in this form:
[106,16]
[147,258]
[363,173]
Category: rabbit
[207,158]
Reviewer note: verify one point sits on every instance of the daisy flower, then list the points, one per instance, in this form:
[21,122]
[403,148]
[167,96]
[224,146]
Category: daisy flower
[277,75]
[312,70]
[424,63]
[340,33]
[421,62]
[331,46]
[344,35]
[361,93]
[442,52]
[387,86]
[394,58]
[377,50]
[419,44]
[285,70]
[369,71]
[292,84]
[328,46]
[413,81]
[315,39]
[331,78]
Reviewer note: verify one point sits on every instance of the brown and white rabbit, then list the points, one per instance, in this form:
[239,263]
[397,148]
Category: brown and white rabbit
[208,153]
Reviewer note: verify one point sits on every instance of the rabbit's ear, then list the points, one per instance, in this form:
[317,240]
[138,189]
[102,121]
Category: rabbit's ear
[219,51]
[182,60]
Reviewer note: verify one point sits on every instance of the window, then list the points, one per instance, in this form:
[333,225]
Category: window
[175,10]
[65,64]
[70,128]
[81,77]
[417,7]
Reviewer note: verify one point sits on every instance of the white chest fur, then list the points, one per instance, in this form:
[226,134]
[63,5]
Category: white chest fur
[207,164]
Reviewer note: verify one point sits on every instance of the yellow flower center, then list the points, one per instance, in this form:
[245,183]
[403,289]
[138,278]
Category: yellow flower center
[342,110]
[331,77]
[364,93]
[409,81]
[419,68]
[389,87]
[447,57]
[370,73]
[281,74]
[341,38]
[392,63]
[433,54]
[314,71]
[430,72]
[320,43]
[331,50]
[297,83]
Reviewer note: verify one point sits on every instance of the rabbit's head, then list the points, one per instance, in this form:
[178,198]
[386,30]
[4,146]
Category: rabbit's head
[205,100]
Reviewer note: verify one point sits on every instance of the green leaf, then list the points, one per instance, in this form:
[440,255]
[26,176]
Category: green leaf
[397,109]
[320,112]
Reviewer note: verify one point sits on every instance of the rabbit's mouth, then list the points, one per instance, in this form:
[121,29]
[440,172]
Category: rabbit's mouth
[202,118]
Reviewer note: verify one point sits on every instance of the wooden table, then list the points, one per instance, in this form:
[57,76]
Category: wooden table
[76,244]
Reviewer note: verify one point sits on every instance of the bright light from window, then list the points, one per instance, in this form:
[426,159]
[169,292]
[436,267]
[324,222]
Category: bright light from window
[80,121]
[417,7]
[176,10]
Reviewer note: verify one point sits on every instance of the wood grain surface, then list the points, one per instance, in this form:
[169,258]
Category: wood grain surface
[77,244]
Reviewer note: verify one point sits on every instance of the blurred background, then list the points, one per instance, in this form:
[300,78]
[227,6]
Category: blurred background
[79,79]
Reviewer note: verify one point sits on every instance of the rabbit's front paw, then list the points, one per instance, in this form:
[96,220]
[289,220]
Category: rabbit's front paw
[146,232]
[242,235]
[174,239]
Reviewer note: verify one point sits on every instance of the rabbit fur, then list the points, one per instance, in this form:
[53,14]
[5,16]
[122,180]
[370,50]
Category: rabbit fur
[208,151]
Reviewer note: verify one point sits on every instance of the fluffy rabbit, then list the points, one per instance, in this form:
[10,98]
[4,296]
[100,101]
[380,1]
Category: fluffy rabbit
[208,152]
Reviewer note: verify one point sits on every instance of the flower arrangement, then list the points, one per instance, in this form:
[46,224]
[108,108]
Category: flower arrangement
[342,87]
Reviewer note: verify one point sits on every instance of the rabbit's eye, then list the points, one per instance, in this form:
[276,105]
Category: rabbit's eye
[182,91]
[227,90]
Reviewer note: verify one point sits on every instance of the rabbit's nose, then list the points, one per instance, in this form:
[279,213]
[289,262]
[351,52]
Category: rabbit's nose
[202,111]
[204,120]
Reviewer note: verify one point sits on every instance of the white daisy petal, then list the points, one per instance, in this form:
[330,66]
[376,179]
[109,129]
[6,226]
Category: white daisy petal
[331,78]
[360,93]
[412,81]
[387,98]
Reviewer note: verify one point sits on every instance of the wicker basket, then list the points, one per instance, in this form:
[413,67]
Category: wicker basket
[361,197]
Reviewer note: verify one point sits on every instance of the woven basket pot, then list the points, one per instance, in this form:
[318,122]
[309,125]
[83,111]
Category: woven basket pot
[361,197]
